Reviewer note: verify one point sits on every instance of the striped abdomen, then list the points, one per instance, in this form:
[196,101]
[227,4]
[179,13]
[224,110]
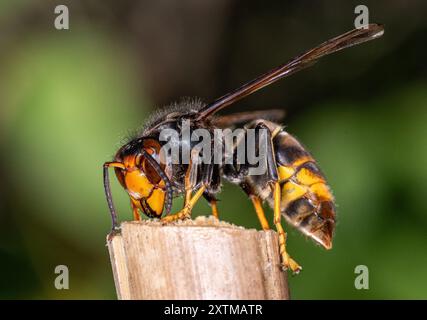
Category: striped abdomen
[306,201]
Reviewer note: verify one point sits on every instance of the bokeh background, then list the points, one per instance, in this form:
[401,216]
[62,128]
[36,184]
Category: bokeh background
[67,99]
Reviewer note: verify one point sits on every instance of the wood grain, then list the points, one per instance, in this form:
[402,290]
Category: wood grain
[196,259]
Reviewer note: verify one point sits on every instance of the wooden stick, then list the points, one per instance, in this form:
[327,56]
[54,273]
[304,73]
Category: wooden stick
[196,259]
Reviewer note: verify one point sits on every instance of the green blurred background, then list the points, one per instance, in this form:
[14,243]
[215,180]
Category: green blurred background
[67,98]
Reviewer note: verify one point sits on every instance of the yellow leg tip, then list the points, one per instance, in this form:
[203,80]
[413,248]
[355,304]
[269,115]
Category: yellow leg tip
[296,269]
[181,215]
[290,264]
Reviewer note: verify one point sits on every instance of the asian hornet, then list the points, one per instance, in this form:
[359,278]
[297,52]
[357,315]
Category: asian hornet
[292,184]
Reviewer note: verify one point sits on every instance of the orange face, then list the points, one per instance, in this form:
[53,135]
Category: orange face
[141,181]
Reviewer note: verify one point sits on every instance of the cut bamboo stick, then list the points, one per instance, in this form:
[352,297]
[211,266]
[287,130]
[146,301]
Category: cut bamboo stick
[196,259]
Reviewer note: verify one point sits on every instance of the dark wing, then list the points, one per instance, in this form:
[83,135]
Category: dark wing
[234,119]
[304,60]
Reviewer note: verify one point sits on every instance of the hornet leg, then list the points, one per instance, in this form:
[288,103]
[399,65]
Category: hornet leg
[213,203]
[272,178]
[287,261]
[256,201]
[189,201]
[135,210]
[212,179]
[214,208]
[188,207]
